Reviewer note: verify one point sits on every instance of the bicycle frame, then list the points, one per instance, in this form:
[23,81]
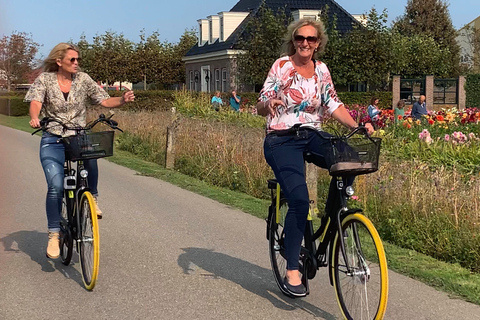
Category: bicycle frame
[330,225]
[73,193]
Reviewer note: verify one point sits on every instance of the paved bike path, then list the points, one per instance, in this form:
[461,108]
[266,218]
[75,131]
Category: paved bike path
[166,253]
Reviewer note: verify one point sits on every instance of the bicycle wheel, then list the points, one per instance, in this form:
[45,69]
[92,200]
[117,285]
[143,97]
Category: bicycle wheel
[362,291]
[89,248]
[276,246]
[66,239]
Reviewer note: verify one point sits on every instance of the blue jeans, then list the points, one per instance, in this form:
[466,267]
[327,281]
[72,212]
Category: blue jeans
[52,157]
[285,154]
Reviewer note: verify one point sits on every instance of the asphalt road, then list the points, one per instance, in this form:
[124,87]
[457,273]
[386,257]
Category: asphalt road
[166,253]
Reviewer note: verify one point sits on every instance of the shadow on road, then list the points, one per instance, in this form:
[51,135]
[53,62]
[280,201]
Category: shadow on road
[253,278]
[34,244]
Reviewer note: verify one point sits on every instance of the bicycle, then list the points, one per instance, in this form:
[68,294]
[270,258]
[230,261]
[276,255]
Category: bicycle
[348,243]
[79,218]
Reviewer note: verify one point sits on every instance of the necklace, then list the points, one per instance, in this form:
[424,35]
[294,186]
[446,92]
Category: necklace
[69,82]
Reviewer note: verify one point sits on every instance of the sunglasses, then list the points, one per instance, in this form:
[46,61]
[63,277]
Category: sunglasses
[72,60]
[310,39]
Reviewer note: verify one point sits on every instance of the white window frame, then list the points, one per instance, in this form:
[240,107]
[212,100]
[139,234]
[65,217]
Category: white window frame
[217,79]
[191,80]
[224,79]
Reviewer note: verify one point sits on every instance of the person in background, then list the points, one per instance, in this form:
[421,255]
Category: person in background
[373,111]
[298,90]
[63,92]
[217,101]
[419,108]
[399,111]
[235,101]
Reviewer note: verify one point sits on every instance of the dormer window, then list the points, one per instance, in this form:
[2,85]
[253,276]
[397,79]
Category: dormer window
[221,29]
[309,14]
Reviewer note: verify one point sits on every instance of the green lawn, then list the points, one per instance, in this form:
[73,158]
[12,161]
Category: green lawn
[450,278]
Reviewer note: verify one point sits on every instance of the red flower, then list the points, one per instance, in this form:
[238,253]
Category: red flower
[430,121]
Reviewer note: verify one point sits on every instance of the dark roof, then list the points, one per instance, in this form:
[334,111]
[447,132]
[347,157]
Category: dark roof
[345,21]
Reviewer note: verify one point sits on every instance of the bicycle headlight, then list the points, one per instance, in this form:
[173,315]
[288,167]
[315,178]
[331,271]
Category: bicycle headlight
[349,191]
[83,173]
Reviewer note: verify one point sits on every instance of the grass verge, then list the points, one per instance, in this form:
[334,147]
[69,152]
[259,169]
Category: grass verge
[451,278]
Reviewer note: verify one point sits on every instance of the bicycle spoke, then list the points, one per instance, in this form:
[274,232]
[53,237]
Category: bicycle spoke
[362,289]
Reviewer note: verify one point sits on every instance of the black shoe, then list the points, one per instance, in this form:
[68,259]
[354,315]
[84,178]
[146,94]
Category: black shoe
[296,291]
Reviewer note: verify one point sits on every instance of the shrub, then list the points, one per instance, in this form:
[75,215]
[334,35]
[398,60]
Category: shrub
[13,106]
[472,90]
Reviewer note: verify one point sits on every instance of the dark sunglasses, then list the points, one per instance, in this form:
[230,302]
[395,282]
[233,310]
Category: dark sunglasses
[72,60]
[310,39]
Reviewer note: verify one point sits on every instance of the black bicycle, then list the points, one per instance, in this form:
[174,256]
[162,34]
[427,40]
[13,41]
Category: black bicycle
[79,218]
[346,241]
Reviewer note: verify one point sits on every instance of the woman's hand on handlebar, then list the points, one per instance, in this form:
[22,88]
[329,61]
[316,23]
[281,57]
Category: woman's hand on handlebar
[369,128]
[34,123]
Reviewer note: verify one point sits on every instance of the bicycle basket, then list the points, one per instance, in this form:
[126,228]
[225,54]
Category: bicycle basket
[90,145]
[355,156]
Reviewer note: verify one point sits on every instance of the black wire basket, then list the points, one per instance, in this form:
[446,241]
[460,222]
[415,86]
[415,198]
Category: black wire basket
[355,156]
[90,145]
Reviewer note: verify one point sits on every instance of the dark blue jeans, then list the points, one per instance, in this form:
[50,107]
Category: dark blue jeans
[285,155]
[52,157]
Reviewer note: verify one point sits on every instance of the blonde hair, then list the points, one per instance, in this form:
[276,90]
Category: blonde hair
[58,52]
[288,47]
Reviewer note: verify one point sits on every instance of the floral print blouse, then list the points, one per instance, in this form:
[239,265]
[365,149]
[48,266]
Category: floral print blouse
[71,111]
[306,99]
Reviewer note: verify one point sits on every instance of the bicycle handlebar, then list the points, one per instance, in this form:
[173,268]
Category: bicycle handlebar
[101,118]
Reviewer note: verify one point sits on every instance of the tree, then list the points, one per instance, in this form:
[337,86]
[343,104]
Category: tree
[431,18]
[260,42]
[17,57]
[86,53]
[187,41]
[110,58]
[418,55]
[363,54]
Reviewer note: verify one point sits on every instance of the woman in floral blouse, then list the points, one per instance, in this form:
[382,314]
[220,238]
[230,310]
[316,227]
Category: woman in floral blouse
[298,90]
[63,92]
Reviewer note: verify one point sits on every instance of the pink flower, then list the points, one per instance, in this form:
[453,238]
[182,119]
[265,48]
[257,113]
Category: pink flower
[447,137]
[425,136]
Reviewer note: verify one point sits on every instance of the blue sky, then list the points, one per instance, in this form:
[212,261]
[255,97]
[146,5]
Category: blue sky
[54,21]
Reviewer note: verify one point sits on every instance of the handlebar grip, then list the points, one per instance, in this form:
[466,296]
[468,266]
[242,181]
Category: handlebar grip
[44,121]
[101,116]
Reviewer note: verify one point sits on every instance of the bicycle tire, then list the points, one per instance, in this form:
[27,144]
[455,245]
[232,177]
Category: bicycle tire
[276,246]
[66,238]
[89,247]
[361,293]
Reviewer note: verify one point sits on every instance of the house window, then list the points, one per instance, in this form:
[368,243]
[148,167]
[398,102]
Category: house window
[224,80]
[217,80]
[310,17]
[191,80]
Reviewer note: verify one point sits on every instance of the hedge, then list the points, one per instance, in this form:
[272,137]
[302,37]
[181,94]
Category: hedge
[472,90]
[163,100]
[17,106]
